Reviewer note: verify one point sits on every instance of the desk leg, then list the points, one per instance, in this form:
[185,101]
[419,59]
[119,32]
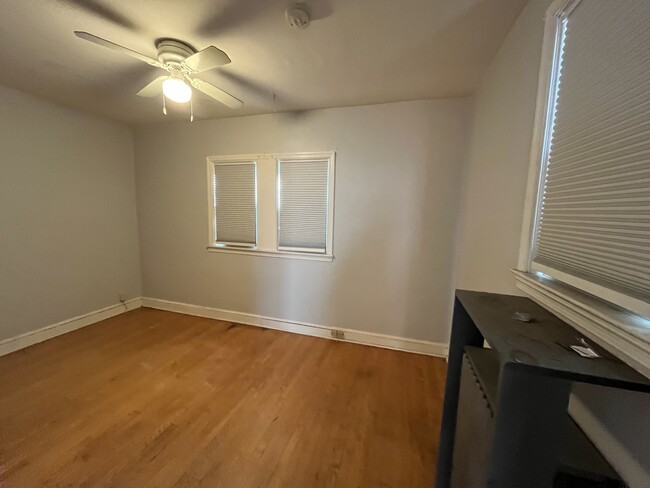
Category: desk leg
[529,427]
[463,333]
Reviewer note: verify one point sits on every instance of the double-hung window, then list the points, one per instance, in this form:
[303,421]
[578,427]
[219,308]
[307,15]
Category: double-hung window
[272,204]
[589,194]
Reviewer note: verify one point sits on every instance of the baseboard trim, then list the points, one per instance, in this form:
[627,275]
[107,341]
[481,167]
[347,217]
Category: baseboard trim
[22,341]
[49,331]
[355,336]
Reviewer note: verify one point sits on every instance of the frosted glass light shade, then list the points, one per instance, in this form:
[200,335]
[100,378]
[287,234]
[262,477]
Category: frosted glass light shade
[177,90]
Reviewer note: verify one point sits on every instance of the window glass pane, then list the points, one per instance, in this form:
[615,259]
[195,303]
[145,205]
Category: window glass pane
[235,204]
[594,220]
[302,213]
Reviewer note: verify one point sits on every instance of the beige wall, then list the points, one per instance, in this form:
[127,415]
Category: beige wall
[493,199]
[68,229]
[397,184]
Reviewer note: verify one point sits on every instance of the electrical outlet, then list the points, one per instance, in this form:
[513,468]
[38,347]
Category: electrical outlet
[338,334]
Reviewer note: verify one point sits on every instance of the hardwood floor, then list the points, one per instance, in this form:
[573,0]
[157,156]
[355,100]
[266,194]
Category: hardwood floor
[158,399]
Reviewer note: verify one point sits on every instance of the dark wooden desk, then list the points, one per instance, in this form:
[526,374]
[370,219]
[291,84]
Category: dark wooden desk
[536,371]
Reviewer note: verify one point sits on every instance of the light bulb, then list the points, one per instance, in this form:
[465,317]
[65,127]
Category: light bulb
[177,90]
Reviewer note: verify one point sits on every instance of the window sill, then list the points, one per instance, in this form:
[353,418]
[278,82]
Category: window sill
[625,335]
[274,254]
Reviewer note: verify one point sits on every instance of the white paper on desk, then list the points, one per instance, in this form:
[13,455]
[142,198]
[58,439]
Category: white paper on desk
[585,352]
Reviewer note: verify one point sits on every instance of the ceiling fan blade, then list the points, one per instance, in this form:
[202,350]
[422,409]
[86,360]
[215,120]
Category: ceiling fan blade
[102,11]
[154,88]
[208,58]
[116,47]
[217,93]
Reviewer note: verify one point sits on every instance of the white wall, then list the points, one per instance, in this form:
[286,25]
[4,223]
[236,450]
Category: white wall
[68,228]
[493,199]
[494,184]
[398,172]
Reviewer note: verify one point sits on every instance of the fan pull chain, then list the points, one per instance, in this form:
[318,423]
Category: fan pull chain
[191,110]
[164,107]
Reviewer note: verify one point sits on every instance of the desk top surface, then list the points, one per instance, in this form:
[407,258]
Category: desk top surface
[544,342]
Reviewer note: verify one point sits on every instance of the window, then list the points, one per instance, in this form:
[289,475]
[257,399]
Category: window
[591,227]
[272,205]
[585,251]
[234,204]
[303,187]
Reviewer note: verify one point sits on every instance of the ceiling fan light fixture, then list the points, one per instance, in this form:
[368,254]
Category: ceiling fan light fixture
[177,90]
[182,62]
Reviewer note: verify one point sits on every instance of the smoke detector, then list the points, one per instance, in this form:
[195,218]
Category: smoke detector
[298,16]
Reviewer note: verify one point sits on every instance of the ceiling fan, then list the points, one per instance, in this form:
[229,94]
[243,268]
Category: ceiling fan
[182,62]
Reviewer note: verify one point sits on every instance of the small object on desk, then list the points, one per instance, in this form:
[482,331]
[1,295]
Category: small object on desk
[521,317]
[584,342]
[585,352]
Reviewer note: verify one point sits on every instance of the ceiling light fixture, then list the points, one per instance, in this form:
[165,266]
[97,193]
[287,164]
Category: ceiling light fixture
[177,90]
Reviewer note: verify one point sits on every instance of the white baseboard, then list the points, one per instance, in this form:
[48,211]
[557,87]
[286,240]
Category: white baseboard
[49,331]
[356,336]
[360,337]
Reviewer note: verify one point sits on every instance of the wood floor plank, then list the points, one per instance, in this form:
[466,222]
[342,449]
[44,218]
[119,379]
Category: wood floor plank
[158,399]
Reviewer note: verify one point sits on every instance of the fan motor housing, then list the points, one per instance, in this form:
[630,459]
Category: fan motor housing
[173,51]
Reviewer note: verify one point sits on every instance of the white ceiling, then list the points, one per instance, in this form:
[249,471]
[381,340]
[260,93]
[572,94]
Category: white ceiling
[355,52]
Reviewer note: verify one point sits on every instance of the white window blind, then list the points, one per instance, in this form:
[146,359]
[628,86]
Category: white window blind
[594,214]
[235,204]
[303,203]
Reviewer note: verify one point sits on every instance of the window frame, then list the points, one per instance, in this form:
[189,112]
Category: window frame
[274,251]
[617,321]
[548,74]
